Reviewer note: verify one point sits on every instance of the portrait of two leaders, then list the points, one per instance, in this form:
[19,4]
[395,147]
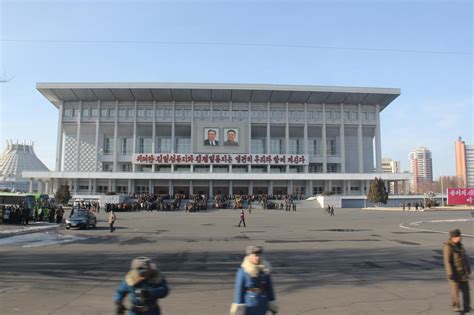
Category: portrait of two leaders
[212,138]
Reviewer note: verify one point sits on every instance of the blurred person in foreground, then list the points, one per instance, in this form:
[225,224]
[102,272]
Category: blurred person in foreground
[144,284]
[457,268]
[253,293]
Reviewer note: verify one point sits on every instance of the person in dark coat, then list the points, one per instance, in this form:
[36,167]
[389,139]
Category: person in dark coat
[144,284]
[242,218]
[458,270]
[253,294]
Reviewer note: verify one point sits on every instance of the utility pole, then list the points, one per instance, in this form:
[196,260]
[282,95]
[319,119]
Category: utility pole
[442,193]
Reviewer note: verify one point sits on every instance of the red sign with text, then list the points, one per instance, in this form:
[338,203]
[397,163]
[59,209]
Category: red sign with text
[460,196]
[220,159]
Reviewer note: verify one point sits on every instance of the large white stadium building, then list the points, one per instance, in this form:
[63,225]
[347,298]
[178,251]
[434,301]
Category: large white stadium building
[169,138]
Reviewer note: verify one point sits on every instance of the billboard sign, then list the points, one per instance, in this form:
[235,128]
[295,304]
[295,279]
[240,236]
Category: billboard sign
[460,196]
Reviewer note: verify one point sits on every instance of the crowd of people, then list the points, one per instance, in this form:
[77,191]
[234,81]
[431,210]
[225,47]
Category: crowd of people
[22,215]
[418,205]
[16,215]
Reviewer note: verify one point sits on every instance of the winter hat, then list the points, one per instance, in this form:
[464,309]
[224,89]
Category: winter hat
[253,249]
[455,233]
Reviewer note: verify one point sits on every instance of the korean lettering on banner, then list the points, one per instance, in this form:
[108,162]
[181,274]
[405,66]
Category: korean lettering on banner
[225,159]
[460,196]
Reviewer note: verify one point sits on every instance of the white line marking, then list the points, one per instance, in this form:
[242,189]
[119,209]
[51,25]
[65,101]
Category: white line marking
[402,225]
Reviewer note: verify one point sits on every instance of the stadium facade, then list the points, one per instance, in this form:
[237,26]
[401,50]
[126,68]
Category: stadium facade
[170,138]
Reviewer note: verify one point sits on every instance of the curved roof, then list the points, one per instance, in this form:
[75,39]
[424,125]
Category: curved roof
[18,158]
[217,92]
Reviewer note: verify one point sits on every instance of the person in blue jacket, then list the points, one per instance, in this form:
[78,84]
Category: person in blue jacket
[144,284]
[254,293]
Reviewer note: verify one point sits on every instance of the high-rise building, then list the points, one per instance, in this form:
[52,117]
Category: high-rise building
[421,169]
[464,163]
[392,166]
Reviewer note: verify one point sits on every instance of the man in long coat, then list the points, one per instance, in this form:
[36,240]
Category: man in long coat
[458,270]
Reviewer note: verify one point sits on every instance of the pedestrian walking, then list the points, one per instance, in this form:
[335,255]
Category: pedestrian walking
[332,211]
[294,206]
[144,284]
[253,293]
[112,219]
[59,215]
[458,270]
[242,218]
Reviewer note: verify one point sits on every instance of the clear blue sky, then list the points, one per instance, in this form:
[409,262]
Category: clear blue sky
[422,47]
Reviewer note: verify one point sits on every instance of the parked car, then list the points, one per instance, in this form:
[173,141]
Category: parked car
[82,219]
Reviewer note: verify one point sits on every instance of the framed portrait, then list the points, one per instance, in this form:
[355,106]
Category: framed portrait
[231,137]
[211,137]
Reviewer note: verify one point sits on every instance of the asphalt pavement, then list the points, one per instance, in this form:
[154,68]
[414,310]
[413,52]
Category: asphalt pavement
[357,262]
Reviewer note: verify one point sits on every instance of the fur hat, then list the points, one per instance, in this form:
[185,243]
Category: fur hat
[454,233]
[253,249]
[141,263]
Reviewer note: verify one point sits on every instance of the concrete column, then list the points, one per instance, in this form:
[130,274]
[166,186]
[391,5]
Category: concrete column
[378,141]
[250,128]
[134,140]
[46,186]
[251,188]
[342,141]
[70,184]
[270,187]
[231,188]
[330,185]
[76,186]
[211,189]
[115,137]
[40,185]
[90,186]
[287,135]
[349,185]
[94,181]
[78,138]
[395,187]
[129,184]
[367,186]
[344,187]
[30,190]
[110,185]
[173,131]
[305,137]
[268,134]
[325,148]
[211,168]
[310,188]
[59,144]
[97,128]
[290,187]
[192,127]
[150,186]
[360,148]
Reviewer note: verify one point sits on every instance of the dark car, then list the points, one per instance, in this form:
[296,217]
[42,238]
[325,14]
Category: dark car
[82,219]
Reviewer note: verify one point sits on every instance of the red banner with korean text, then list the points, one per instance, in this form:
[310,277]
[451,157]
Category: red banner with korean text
[220,159]
[460,196]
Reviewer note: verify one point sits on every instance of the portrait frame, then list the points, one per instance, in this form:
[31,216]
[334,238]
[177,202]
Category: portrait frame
[207,138]
[229,140]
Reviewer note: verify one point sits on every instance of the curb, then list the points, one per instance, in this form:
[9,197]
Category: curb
[29,231]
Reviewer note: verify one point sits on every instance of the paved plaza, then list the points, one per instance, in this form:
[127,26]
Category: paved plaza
[357,262]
